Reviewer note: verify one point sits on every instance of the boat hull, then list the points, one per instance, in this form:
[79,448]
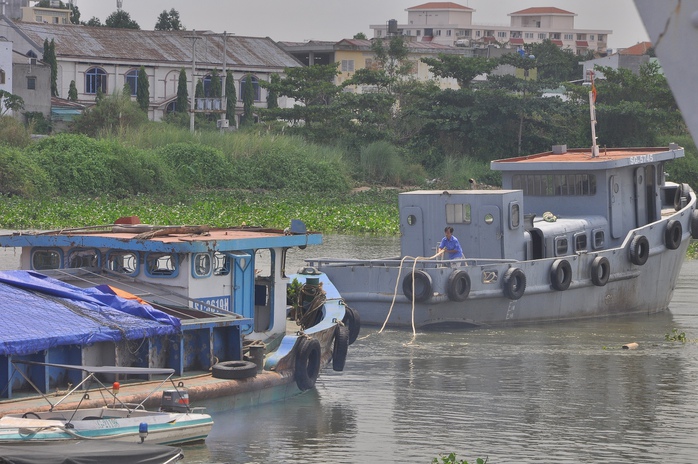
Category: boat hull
[376,288]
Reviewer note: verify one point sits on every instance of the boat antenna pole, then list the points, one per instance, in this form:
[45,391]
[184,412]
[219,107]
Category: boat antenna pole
[592,114]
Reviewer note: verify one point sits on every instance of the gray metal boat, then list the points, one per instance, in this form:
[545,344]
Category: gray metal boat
[573,234]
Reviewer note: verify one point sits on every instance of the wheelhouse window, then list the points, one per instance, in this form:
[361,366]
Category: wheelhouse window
[46,258]
[95,80]
[514,215]
[458,214]
[123,262]
[561,246]
[84,257]
[132,81]
[598,237]
[555,185]
[161,265]
[580,242]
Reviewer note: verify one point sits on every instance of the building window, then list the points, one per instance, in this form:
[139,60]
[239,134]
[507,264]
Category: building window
[31,83]
[2,76]
[569,36]
[458,214]
[207,86]
[39,19]
[347,65]
[379,33]
[95,80]
[541,36]
[466,33]
[528,35]
[171,107]
[602,37]
[55,20]
[132,81]
[502,34]
[419,32]
[478,33]
[555,35]
[591,37]
[438,32]
[581,36]
[448,33]
[255,86]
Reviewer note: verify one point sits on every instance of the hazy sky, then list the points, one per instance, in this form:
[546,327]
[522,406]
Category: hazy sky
[299,20]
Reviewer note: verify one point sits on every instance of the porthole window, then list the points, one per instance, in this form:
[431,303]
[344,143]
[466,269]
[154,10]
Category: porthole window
[580,242]
[46,258]
[161,265]
[598,239]
[411,219]
[489,219]
[221,264]
[514,215]
[202,264]
[84,257]
[123,262]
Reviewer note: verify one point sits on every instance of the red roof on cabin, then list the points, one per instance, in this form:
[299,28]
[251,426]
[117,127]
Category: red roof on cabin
[582,43]
[542,11]
[440,6]
[637,49]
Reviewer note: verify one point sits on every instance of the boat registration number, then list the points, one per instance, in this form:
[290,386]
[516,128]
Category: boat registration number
[639,159]
[212,303]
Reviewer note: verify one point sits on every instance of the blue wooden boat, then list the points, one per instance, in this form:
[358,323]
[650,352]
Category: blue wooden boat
[206,302]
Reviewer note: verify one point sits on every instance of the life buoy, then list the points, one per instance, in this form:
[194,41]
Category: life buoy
[694,224]
[639,250]
[600,271]
[514,283]
[340,347]
[458,287]
[307,366]
[423,289]
[561,274]
[682,193]
[672,234]
[234,370]
[353,321]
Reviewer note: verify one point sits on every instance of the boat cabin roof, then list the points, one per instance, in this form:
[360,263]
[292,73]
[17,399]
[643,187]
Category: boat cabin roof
[582,159]
[178,239]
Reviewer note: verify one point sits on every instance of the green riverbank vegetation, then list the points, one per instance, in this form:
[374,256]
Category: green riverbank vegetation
[338,160]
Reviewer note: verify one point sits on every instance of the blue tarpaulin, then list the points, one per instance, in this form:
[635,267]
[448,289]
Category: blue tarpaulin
[38,312]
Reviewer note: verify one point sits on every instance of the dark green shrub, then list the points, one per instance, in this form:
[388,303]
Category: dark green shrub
[197,166]
[20,175]
[111,115]
[13,133]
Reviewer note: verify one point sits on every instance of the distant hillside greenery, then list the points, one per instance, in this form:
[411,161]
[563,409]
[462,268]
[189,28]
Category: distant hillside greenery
[304,161]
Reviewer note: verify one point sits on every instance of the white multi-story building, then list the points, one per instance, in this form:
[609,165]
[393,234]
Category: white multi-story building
[449,23]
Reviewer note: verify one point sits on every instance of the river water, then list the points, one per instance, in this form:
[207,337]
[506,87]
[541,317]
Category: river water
[550,393]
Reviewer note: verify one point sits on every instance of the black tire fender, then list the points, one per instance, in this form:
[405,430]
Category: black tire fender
[353,321]
[458,286]
[673,234]
[639,250]
[682,191]
[694,224]
[600,271]
[234,370]
[561,274]
[340,347]
[514,283]
[423,288]
[307,367]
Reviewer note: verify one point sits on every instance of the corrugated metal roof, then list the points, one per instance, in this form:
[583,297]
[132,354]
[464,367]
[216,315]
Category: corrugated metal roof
[112,44]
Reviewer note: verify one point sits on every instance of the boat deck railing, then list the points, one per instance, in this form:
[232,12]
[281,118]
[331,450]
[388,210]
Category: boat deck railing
[406,263]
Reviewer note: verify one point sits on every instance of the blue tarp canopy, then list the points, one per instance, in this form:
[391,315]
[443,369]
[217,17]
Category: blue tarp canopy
[39,312]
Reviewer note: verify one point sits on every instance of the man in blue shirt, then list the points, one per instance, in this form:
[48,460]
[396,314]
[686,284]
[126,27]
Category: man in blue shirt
[450,244]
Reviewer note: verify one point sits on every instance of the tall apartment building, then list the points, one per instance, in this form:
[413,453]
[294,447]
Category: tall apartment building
[449,23]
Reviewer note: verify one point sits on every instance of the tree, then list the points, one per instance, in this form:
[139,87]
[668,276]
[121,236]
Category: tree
[11,102]
[74,11]
[247,100]
[199,91]
[94,22]
[143,90]
[169,21]
[231,96]
[121,19]
[554,64]
[360,36]
[50,59]
[460,68]
[215,90]
[272,95]
[73,92]
[182,93]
